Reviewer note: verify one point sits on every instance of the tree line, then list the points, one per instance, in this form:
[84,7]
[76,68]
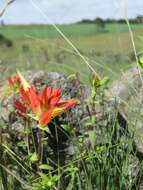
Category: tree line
[136,20]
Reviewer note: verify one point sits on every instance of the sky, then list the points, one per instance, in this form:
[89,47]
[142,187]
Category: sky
[68,11]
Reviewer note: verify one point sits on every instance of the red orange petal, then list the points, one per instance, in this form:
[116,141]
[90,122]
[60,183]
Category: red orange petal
[68,104]
[45,118]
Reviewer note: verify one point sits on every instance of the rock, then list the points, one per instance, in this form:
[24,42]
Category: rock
[128,98]
[127,86]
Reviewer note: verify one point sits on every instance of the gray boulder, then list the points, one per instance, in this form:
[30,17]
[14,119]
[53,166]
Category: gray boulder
[127,97]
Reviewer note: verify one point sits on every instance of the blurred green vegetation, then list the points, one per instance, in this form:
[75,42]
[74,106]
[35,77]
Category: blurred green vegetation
[109,52]
[72,30]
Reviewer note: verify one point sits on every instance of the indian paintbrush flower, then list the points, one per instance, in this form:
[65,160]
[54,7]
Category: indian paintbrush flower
[14,81]
[44,106]
[13,86]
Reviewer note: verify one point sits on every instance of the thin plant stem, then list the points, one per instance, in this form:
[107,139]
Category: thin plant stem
[64,37]
[27,135]
[8,2]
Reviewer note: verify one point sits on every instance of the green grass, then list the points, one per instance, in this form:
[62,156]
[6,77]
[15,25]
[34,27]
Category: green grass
[73,30]
[41,47]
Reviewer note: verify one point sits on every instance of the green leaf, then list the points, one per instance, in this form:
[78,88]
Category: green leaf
[67,128]
[45,128]
[104,81]
[34,157]
[45,167]
[44,139]
[140,60]
[93,119]
[93,93]
[92,137]
[22,144]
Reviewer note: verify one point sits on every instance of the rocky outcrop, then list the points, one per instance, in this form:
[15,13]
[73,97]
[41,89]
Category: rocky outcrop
[127,96]
[127,86]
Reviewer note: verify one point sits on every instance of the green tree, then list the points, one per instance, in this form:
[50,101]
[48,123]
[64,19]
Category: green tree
[100,24]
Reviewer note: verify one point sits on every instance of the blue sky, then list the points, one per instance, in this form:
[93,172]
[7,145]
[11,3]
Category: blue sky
[67,11]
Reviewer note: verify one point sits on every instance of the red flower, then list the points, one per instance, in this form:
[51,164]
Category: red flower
[20,107]
[45,106]
[49,105]
[14,81]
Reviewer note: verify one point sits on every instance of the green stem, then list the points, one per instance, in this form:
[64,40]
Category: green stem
[38,139]
[27,135]
[2,163]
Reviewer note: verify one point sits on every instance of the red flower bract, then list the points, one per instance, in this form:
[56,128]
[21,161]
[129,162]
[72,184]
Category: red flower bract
[46,105]
[14,80]
[20,107]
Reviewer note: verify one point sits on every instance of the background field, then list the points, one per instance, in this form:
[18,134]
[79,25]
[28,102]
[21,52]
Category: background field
[110,52]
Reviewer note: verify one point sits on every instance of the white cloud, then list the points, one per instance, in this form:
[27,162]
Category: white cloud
[64,11]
